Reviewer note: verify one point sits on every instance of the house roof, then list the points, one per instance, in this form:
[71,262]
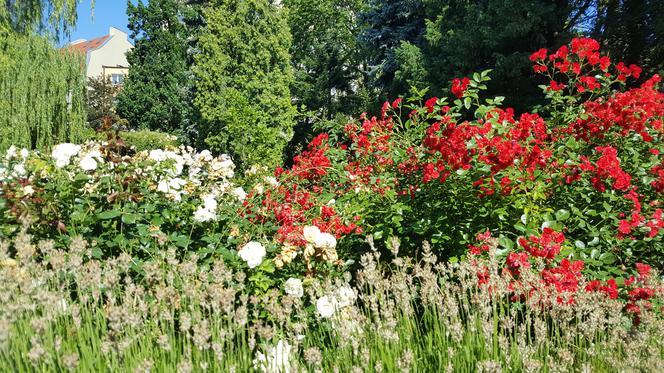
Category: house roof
[89,45]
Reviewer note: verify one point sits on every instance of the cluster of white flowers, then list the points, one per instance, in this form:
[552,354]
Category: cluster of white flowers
[239,193]
[276,359]
[293,287]
[91,159]
[320,243]
[208,211]
[63,153]
[328,305]
[201,168]
[15,167]
[252,253]
[320,240]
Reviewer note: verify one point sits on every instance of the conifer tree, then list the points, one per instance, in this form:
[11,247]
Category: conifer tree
[157,92]
[243,76]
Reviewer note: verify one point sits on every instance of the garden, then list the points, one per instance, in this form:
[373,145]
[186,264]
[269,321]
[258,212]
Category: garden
[448,233]
[417,239]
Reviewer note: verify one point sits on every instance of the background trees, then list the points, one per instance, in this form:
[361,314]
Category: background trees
[42,93]
[243,78]
[158,92]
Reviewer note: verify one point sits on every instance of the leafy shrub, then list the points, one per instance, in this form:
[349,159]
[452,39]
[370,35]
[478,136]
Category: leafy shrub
[134,204]
[143,140]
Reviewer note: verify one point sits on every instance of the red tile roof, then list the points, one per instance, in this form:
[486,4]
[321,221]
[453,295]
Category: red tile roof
[86,46]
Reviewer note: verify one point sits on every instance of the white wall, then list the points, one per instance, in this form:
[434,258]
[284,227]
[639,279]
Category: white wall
[112,53]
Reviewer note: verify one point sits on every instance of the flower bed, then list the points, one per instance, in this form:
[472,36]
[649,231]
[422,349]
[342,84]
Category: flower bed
[544,210]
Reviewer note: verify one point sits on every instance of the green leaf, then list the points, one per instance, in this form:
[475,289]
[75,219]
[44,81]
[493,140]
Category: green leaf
[562,215]
[109,214]
[129,218]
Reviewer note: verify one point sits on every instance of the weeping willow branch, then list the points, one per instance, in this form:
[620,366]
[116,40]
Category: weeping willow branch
[42,93]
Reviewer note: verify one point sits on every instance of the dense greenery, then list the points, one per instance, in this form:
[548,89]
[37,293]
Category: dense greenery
[101,103]
[243,79]
[26,16]
[42,93]
[157,94]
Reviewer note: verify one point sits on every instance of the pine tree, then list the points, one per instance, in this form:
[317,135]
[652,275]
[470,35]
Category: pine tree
[157,94]
[243,77]
[388,27]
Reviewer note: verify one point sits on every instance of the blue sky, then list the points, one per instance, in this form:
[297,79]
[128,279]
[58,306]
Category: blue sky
[106,13]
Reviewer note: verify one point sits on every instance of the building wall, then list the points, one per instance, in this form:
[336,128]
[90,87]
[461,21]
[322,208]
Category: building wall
[112,53]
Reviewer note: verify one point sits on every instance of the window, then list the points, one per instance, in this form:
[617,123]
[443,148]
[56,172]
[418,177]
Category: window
[117,79]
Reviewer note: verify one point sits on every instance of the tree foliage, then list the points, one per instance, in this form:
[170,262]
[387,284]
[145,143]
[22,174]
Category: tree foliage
[387,26]
[326,55]
[42,93]
[632,30]
[25,16]
[243,77]
[101,102]
[157,94]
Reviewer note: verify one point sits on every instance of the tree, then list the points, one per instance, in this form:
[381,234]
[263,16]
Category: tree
[25,16]
[243,76]
[632,31]
[101,100]
[158,92]
[389,25]
[326,57]
[42,93]
[467,36]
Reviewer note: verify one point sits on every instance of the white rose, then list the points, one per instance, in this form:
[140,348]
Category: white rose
[163,186]
[310,232]
[203,215]
[62,153]
[346,296]
[157,155]
[205,155]
[326,306]
[210,201]
[239,193]
[252,253]
[19,170]
[272,181]
[28,190]
[11,153]
[325,241]
[24,153]
[293,287]
[88,164]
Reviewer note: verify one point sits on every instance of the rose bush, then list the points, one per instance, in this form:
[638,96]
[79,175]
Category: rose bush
[575,186]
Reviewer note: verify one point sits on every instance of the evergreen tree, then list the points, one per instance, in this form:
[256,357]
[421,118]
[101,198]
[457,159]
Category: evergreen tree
[467,36]
[326,57]
[243,77]
[632,31]
[388,27]
[158,92]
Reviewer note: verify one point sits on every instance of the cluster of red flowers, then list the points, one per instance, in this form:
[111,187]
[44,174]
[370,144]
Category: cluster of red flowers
[500,155]
[459,86]
[545,246]
[562,279]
